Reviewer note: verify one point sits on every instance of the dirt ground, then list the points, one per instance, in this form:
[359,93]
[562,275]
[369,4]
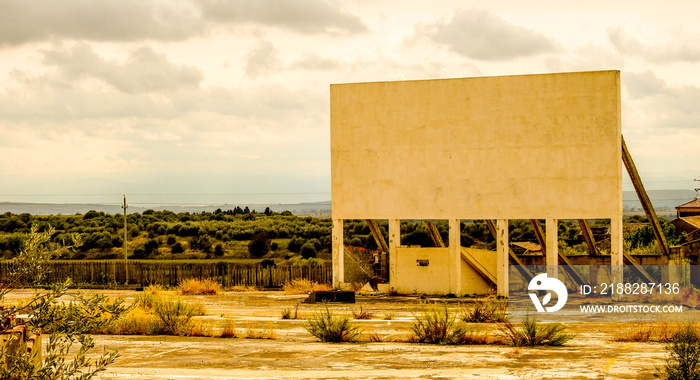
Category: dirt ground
[295,354]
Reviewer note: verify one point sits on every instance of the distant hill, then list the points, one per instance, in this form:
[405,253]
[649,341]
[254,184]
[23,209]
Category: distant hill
[319,209]
[664,202]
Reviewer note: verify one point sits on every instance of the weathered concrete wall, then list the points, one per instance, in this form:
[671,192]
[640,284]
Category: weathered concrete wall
[435,278]
[514,147]
[472,282]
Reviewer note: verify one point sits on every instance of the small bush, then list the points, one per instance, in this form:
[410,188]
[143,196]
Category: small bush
[259,245]
[531,333]
[308,250]
[195,286]
[176,314]
[438,325]
[488,311]
[331,328]
[389,315]
[683,362]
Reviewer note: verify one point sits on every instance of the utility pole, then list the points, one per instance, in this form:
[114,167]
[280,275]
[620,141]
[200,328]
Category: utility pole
[126,256]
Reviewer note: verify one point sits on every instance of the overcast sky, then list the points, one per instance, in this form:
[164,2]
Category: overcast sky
[232,97]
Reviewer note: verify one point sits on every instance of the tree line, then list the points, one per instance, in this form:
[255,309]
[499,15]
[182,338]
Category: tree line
[241,233]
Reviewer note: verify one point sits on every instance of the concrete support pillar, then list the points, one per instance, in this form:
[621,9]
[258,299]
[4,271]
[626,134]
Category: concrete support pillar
[552,238]
[338,253]
[455,249]
[394,243]
[593,278]
[502,257]
[616,253]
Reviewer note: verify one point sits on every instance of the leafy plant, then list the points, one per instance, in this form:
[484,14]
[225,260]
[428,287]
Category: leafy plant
[331,328]
[532,333]
[66,355]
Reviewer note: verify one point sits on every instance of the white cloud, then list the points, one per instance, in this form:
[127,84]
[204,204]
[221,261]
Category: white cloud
[483,35]
[144,70]
[29,21]
[302,16]
[681,46]
[106,20]
[262,59]
[663,106]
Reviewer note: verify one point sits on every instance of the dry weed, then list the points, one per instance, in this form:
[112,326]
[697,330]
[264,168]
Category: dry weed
[260,332]
[648,331]
[302,286]
[229,330]
[195,286]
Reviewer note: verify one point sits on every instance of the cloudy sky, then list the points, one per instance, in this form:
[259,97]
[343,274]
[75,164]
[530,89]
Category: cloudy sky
[228,101]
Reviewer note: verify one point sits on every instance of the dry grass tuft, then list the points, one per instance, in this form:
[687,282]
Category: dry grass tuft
[138,321]
[288,314]
[154,289]
[195,286]
[301,286]
[487,311]
[331,328]
[372,337]
[649,331]
[260,332]
[229,330]
[362,314]
[438,325]
[197,328]
[480,338]
[532,333]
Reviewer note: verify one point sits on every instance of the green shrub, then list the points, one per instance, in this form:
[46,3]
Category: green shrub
[331,328]
[438,325]
[683,362]
[308,250]
[532,333]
